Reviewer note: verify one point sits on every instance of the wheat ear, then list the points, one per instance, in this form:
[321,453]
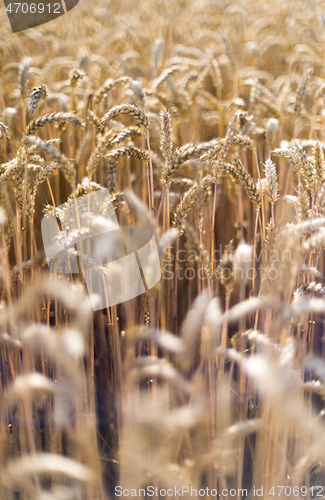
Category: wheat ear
[34,125]
[125,109]
[63,163]
[36,95]
[237,170]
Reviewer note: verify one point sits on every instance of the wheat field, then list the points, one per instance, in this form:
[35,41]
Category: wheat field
[205,121]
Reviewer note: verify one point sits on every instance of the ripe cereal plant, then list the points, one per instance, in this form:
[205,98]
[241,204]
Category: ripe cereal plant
[205,121]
